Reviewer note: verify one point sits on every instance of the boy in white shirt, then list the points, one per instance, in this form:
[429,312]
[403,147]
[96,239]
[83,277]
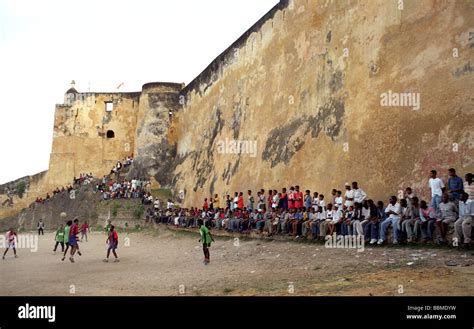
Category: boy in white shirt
[359,194]
[323,226]
[317,220]
[436,186]
[322,203]
[315,202]
[336,219]
[349,196]
[393,211]
[338,200]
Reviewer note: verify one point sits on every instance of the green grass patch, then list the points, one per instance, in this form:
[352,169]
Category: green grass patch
[162,193]
[115,206]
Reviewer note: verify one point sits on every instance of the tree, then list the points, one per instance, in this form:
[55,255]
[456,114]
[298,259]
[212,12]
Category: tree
[20,188]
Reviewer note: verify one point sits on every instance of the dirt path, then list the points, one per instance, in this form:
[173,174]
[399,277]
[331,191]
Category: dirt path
[164,262]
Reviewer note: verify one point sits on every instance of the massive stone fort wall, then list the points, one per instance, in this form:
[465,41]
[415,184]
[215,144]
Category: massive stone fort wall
[314,86]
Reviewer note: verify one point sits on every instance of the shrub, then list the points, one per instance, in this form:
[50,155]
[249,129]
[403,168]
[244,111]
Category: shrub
[20,188]
[138,211]
[115,207]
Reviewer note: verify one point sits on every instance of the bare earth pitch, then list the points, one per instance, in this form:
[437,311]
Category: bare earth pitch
[166,262]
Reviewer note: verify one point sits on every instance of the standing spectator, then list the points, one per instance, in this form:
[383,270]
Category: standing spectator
[270,199]
[211,203]
[284,199]
[322,203]
[334,195]
[276,199]
[40,227]
[437,188]
[235,203]
[338,200]
[217,202]
[349,196]
[455,185]
[307,200]
[240,201]
[315,201]
[298,196]
[291,198]
[359,194]
[261,199]
[228,202]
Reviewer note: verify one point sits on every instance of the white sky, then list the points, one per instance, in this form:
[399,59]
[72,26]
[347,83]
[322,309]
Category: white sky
[99,44]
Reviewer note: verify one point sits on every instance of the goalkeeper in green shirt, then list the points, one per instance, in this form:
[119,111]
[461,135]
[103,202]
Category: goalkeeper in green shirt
[59,238]
[206,239]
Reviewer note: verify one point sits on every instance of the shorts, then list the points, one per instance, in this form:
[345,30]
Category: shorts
[11,245]
[72,241]
[113,245]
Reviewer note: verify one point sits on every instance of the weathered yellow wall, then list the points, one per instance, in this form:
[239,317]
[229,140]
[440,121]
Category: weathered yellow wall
[155,151]
[79,133]
[79,142]
[316,115]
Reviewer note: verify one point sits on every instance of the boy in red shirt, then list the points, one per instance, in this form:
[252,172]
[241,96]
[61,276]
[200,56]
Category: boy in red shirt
[291,198]
[11,238]
[298,196]
[73,232]
[84,230]
[112,240]
[240,201]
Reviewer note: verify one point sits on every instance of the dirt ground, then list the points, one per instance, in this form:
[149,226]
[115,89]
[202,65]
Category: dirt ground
[167,262]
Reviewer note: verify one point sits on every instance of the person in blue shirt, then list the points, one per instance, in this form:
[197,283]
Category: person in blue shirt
[308,200]
[455,185]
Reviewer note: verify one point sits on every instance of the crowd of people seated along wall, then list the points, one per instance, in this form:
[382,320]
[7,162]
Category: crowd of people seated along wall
[311,216]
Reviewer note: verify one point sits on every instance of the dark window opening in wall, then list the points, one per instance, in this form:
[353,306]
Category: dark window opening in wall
[110,134]
[109,106]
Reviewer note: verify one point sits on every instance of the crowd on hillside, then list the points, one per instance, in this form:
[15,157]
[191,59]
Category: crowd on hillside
[314,216]
[83,179]
[57,191]
[122,164]
[88,178]
[125,189]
